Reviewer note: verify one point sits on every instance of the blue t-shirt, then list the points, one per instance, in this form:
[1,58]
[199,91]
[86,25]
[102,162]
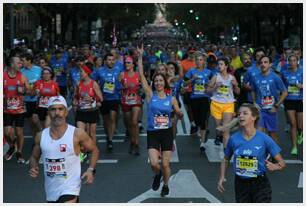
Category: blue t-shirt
[159,113]
[75,76]
[250,155]
[119,65]
[33,75]
[267,89]
[291,79]
[175,89]
[199,85]
[109,83]
[60,69]
[164,58]
[152,59]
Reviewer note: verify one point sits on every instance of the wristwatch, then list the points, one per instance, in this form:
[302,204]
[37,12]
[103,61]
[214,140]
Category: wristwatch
[92,170]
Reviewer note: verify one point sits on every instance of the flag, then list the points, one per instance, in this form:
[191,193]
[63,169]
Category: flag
[114,36]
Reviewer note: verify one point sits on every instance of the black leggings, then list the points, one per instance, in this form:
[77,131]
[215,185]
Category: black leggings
[200,110]
[65,198]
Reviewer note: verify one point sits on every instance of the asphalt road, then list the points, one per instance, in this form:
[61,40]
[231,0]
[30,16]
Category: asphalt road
[123,178]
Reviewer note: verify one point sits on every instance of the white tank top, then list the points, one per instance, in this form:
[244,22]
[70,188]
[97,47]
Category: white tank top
[224,94]
[62,167]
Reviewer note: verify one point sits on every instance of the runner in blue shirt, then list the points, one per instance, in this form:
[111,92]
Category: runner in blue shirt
[250,149]
[293,79]
[110,86]
[252,71]
[267,86]
[159,132]
[33,74]
[60,66]
[199,78]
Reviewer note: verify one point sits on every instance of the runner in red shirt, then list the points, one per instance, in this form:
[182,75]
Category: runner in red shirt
[45,88]
[14,87]
[86,101]
[131,102]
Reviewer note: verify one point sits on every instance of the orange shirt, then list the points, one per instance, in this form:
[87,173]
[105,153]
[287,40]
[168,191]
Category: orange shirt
[186,65]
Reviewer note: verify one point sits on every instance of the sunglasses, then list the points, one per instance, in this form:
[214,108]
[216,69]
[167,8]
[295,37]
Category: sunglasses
[129,62]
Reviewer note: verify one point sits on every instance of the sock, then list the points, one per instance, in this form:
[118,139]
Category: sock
[193,124]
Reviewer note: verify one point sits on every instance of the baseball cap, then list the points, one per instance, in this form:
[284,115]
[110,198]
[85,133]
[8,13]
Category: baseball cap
[57,100]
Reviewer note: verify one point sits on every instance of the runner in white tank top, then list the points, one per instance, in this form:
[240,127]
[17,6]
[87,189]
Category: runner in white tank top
[60,146]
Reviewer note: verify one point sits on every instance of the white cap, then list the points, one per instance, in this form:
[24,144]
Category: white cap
[57,100]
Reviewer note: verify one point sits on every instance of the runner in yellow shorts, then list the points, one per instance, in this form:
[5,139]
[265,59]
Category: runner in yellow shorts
[222,104]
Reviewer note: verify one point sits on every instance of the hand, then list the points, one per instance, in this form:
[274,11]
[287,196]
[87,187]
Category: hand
[90,177]
[300,86]
[180,115]
[234,83]
[273,110]
[247,86]
[140,50]
[218,84]
[271,166]
[220,185]
[34,172]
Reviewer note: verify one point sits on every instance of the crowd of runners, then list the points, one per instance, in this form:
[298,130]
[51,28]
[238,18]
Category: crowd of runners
[238,86]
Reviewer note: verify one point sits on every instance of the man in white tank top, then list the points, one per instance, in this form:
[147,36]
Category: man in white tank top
[60,146]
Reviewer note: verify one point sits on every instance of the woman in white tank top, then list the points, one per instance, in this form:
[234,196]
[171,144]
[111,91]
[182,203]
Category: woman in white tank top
[222,107]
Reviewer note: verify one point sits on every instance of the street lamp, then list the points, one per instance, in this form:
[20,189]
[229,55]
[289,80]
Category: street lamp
[191,11]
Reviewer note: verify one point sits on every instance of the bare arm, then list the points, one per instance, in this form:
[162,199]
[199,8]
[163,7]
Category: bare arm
[280,165]
[223,167]
[235,86]
[98,92]
[147,89]
[211,87]
[176,108]
[34,159]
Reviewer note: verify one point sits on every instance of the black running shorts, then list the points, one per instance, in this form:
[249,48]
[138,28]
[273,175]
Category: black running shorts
[253,190]
[162,138]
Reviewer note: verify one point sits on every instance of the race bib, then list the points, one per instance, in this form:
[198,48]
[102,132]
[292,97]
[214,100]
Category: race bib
[293,90]
[131,99]
[86,104]
[56,168]
[223,90]
[246,166]
[267,102]
[58,71]
[109,87]
[161,122]
[199,89]
[43,102]
[13,103]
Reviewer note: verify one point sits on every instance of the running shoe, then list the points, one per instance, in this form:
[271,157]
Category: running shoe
[156,181]
[20,158]
[136,150]
[110,145]
[131,148]
[140,126]
[299,138]
[83,156]
[202,147]
[287,127]
[164,191]
[193,129]
[218,140]
[294,151]
[9,154]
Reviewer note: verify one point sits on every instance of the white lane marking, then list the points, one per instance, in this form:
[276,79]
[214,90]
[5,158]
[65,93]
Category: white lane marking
[183,184]
[293,161]
[179,127]
[105,161]
[186,119]
[114,140]
[300,184]
[174,157]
